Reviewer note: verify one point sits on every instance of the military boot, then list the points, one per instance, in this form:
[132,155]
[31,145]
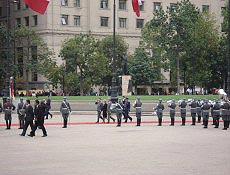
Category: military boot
[172,121]
[193,121]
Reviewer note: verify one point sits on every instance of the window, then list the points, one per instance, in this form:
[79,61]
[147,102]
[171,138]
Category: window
[122,22]
[27,21]
[142,6]
[26,6]
[173,6]
[18,5]
[35,20]
[0,11]
[77,3]
[156,6]
[223,10]
[205,8]
[64,2]
[122,4]
[104,21]
[20,61]
[64,19]
[77,21]
[18,22]
[104,4]
[139,23]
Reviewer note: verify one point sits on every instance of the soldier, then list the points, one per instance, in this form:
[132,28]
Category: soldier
[119,111]
[21,113]
[137,105]
[216,113]
[29,117]
[109,111]
[39,112]
[159,109]
[193,111]
[48,107]
[172,107]
[182,106]
[198,110]
[8,107]
[205,113]
[65,109]
[99,108]
[225,114]
[127,110]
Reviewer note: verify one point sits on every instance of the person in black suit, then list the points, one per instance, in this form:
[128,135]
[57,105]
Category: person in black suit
[39,112]
[29,117]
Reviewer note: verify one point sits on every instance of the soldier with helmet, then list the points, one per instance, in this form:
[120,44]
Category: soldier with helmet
[193,111]
[226,114]
[159,109]
[21,113]
[205,112]
[182,106]
[198,110]
[172,107]
[119,111]
[137,105]
[65,109]
[8,107]
[216,113]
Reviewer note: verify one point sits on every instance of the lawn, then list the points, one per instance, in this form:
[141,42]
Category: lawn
[149,97]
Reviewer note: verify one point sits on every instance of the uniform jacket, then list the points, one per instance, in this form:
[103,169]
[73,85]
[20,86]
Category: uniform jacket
[160,107]
[205,108]
[225,109]
[99,106]
[20,107]
[137,106]
[29,113]
[8,107]
[65,106]
[193,107]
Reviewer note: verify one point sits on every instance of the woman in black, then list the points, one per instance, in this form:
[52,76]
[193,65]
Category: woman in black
[104,110]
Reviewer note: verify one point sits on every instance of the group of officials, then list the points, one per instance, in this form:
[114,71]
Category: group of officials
[121,108]
[28,114]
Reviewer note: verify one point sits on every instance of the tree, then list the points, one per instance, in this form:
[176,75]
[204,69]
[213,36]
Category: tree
[184,38]
[84,61]
[142,69]
[106,47]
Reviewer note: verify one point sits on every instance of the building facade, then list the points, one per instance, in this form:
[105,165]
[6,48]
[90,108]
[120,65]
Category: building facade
[66,18]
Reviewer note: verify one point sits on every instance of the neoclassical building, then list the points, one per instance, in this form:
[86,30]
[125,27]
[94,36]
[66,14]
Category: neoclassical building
[65,18]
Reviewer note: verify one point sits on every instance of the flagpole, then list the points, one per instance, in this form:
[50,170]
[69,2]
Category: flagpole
[114,97]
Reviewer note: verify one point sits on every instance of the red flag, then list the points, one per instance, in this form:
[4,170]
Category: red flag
[11,88]
[38,5]
[136,6]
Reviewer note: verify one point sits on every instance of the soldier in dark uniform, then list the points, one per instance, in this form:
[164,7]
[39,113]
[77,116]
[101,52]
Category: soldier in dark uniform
[126,110]
[193,111]
[65,109]
[182,106]
[205,113]
[109,111]
[159,109]
[21,113]
[99,108]
[212,114]
[198,110]
[8,107]
[1,107]
[137,105]
[119,111]
[29,117]
[48,107]
[216,113]
[39,112]
[226,114]
[104,110]
[172,107]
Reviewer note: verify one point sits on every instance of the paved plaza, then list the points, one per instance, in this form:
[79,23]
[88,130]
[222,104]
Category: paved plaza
[86,148]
